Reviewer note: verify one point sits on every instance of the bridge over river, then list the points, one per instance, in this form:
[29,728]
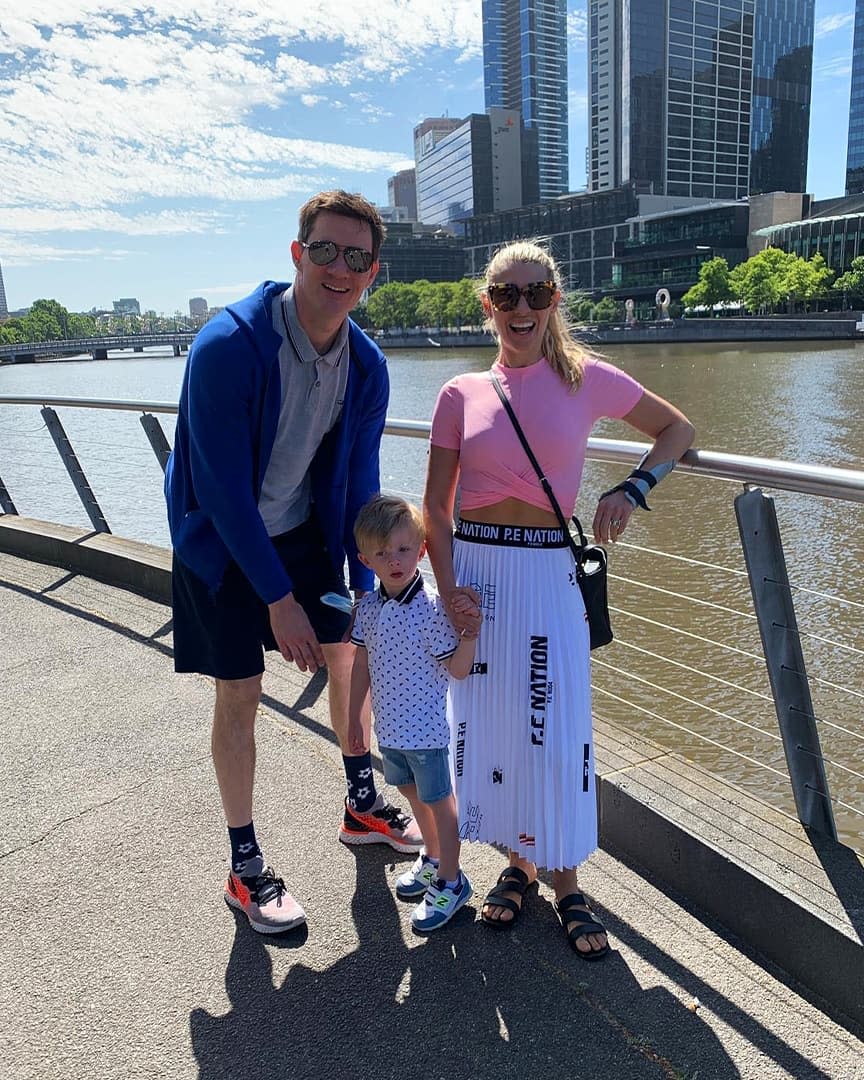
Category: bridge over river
[97,347]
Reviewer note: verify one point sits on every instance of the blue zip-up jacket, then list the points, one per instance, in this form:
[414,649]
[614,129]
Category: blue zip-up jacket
[226,427]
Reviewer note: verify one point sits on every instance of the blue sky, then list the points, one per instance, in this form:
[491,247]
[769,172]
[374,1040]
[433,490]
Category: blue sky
[161,150]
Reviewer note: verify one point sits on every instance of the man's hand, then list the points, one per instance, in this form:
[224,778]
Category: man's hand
[294,635]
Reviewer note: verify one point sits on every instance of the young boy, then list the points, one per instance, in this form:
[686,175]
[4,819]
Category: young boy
[410,651]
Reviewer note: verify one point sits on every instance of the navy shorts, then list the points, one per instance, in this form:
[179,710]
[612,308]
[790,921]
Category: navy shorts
[224,634]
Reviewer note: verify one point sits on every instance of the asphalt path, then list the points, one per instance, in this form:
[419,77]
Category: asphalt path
[119,958]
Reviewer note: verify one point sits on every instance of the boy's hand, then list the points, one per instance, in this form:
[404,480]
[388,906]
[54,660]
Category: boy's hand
[459,604]
[474,620]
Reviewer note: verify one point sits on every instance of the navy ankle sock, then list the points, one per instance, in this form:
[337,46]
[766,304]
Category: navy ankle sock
[245,849]
[361,782]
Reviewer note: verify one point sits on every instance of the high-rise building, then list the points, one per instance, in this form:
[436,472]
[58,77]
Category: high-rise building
[855,145]
[4,307]
[198,307]
[127,305]
[525,68]
[708,98]
[402,191]
[782,79]
[430,132]
[475,169]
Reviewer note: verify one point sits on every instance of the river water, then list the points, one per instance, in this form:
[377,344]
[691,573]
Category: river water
[764,399]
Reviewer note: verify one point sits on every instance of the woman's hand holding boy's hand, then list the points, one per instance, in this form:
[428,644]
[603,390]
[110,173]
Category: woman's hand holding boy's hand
[462,605]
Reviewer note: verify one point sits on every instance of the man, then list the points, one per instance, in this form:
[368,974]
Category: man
[276,449]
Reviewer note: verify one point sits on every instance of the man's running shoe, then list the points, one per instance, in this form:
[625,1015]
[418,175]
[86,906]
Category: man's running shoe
[440,904]
[414,882]
[382,823]
[265,902]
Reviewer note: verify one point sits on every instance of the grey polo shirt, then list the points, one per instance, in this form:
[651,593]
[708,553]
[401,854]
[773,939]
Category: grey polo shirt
[313,391]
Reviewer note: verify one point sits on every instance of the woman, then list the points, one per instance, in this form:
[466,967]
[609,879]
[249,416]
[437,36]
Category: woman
[521,737]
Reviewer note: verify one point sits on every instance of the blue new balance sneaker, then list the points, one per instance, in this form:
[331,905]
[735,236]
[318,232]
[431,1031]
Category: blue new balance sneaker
[414,882]
[440,904]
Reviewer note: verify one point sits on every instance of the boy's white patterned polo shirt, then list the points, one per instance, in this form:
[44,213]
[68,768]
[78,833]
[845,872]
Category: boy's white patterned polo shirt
[407,637]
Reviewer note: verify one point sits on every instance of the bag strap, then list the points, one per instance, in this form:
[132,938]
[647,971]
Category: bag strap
[544,483]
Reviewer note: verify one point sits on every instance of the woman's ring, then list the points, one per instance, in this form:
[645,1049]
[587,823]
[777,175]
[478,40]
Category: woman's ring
[615,523]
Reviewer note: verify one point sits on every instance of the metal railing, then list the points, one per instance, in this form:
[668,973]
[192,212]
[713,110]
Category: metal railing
[743,656]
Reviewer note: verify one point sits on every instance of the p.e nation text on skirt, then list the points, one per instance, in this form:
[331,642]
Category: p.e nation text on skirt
[521,743]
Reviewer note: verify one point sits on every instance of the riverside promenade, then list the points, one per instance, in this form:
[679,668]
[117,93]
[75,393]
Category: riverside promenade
[120,959]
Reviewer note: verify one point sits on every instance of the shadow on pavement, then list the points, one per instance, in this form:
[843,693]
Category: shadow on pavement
[461,1004]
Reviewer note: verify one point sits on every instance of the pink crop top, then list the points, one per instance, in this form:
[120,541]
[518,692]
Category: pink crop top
[469,417]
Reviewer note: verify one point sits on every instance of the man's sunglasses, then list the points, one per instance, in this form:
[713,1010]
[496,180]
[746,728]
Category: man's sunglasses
[324,252]
[504,296]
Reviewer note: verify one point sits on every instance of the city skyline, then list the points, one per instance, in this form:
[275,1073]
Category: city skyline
[165,157]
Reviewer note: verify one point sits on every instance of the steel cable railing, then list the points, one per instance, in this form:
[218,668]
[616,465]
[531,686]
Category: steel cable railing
[692,718]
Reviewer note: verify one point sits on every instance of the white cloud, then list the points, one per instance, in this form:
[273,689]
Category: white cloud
[834,67]
[101,110]
[830,23]
[577,28]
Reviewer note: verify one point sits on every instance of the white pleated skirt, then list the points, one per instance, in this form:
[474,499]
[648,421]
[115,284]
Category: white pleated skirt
[521,742]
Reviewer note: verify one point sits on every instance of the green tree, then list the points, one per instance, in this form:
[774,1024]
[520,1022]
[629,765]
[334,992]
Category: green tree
[464,307]
[392,305]
[47,320]
[759,283]
[607,310]
[579,306]
[435,298]
[712,287]
[807,279]
[851,284]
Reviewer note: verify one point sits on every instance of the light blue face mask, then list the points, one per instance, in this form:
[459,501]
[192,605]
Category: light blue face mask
[338,601]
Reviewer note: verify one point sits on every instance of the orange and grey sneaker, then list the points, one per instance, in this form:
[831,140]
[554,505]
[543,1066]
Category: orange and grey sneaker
[265,902]
[382,823]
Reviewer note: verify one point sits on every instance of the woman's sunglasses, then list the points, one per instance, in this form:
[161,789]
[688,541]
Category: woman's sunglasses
[504,296]
[324,252]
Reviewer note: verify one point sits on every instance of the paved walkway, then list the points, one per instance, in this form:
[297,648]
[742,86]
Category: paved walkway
[119,958]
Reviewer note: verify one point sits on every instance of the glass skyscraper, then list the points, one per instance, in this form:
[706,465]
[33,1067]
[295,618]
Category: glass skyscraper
[525,68]
[855,145]
[703,98]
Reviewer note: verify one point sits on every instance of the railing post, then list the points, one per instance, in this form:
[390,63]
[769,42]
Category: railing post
[6,500]
[781,644]
[154,432]
[73,467]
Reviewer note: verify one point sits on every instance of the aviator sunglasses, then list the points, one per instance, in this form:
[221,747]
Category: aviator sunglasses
[504,296]
[324,252]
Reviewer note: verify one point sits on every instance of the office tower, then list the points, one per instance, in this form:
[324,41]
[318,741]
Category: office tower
[855,145]
[4,307]
[402,191]
[782,77]
[525,68]
[431,131]
[127,305]
[703,98]
[474,169]
[198,307]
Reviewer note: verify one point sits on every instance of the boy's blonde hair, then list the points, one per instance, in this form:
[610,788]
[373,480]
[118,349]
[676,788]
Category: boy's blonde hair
[564,355]
[381,516]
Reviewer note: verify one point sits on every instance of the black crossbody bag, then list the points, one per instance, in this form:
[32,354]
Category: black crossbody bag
[590,559]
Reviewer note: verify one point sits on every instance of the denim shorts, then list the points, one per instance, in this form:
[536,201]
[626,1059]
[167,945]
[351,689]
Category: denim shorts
[224,634]
[428,769]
